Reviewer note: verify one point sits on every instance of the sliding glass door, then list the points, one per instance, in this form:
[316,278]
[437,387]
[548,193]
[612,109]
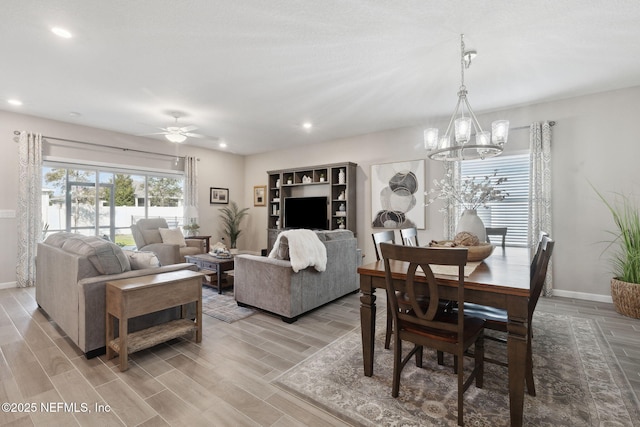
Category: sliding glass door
[106,202]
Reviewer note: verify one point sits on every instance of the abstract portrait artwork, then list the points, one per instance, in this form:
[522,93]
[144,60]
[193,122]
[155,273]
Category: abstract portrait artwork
[397,195]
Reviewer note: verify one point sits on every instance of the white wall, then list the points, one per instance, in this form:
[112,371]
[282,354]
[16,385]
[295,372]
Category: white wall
[215,169]
[594,141]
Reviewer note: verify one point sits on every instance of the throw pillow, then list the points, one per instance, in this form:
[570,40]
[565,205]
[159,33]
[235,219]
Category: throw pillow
[140,260]
[173,236]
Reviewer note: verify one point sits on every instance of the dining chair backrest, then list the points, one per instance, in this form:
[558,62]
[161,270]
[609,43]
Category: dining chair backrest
[534,260]
[387,236]
[409,236]
[415,293]
[497,231]
[540,273]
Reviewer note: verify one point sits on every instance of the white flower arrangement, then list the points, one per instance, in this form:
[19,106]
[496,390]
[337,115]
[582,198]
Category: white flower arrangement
[472,193]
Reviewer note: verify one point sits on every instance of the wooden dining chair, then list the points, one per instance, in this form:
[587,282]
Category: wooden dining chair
[409,236]
[496,319]
[387,236]
[497,231]
[427,325]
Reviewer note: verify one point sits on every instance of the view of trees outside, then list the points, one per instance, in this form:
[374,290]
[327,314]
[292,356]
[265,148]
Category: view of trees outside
[106,203]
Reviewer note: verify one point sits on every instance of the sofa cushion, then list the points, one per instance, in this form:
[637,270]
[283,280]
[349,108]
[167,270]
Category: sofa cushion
[151,236]
[105,256]
[173,236]
[337,235]
[283,248]
[58,239]
[142,259]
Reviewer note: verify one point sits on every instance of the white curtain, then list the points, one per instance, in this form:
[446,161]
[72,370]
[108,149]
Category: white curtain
[29,212]
[540,190]
[452,211]
[190,183]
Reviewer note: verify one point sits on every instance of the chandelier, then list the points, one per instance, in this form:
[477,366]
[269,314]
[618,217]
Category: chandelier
[486,144]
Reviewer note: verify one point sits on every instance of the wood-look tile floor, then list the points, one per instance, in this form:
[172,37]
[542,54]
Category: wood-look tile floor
[223,381]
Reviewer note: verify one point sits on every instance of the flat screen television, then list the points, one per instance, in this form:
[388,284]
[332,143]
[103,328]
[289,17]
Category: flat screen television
[305,212]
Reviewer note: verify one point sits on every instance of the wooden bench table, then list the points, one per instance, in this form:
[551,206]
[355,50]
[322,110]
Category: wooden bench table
[136,296]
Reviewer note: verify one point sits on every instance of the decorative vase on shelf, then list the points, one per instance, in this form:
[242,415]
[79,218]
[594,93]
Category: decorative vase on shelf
[471,222]
[341,177]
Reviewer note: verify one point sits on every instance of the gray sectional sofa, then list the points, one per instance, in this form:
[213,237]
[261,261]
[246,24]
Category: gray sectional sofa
[272,285]
[71,272]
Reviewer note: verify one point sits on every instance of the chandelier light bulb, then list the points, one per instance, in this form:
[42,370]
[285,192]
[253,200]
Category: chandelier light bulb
[431,138]
[463,129]
[500,131]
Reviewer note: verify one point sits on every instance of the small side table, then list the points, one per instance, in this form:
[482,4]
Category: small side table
[127,298]
[207,241]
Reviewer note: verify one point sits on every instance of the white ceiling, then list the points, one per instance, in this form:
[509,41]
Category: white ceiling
[252,71]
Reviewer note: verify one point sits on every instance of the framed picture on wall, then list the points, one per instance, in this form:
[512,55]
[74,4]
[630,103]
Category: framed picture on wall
[397,195]
[218,196]
[259,195]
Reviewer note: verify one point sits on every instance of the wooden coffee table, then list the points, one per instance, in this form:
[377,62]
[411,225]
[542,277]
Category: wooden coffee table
[216,265]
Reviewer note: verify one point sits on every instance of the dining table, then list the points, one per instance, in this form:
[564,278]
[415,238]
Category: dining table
[501,281]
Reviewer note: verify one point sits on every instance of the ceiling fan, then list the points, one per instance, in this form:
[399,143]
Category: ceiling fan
[178,134]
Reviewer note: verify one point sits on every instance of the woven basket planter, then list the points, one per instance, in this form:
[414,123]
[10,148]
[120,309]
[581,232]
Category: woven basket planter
[626,298]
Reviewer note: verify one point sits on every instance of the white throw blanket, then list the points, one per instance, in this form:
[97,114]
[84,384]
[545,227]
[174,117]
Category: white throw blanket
[305,249]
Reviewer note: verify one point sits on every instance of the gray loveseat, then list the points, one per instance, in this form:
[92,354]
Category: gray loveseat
[271,284]
[71,272]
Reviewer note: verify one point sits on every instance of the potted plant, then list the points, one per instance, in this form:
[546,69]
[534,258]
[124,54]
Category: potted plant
[231,217]
[192,228]
[625,285]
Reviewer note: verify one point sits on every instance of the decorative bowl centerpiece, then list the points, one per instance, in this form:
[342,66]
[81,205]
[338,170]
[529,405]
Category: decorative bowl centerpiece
[477,251]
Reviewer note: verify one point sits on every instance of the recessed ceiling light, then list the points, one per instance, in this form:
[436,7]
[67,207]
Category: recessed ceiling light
[61,32]
[222,144]
[75,114]
[15,102]
[307,125]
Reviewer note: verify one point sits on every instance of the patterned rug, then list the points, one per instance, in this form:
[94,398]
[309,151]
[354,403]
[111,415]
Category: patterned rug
[578,383]
[223,306]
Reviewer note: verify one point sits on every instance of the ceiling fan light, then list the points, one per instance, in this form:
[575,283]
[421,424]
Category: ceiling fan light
[175,137]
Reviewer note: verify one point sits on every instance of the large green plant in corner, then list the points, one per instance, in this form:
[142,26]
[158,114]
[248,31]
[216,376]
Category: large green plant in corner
[625,285]
[231,217]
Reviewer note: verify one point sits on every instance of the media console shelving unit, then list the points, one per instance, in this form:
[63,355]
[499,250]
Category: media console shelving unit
[322,181]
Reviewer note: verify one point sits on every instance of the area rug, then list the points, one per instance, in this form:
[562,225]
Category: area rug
[578,383]
[223,306]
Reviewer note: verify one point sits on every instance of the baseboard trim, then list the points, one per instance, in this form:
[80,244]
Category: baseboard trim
[583,296]
[8,285]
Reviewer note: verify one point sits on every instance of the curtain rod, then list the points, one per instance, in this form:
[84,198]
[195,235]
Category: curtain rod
[551,123]
[16,132]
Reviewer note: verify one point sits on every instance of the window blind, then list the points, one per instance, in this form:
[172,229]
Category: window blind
[513,211]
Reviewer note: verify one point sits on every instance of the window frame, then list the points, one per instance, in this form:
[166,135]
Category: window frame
[513,211]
